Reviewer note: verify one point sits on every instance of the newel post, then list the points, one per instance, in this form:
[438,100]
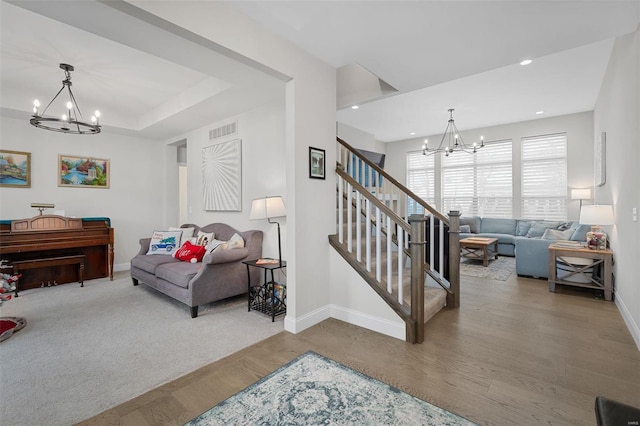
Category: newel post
[417,274]
[453,298]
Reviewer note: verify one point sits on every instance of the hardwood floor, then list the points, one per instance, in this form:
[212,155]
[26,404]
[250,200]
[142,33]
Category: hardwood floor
[513,354]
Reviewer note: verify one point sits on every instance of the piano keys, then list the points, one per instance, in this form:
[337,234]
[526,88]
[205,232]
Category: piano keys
[51,237]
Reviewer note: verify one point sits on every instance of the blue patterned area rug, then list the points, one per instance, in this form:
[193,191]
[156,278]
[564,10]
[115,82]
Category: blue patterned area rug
[499,269]
[313,390]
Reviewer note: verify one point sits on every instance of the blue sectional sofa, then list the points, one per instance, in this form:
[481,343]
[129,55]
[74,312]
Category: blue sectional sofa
[526,239]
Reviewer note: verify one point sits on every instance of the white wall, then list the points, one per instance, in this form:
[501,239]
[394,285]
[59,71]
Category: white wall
[133,200]
[262,132]
[579,129]
[617,113]
[310,121]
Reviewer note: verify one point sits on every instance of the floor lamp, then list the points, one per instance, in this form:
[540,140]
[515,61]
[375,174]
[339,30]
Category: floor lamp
[581,194]
[268,208]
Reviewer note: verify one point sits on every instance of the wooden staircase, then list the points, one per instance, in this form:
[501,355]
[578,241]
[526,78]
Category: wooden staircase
[376,240]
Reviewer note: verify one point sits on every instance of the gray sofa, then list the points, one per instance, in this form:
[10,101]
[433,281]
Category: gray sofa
[220,275]
[523,238]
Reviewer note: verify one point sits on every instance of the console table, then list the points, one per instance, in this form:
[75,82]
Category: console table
[271,297]
[559,255]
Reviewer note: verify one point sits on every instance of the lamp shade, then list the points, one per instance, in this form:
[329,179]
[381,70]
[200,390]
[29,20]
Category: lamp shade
[267,207]
[597,215]
[580,194]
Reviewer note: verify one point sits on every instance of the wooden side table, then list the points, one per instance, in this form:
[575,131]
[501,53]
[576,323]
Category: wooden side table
[271,297]
[559,255]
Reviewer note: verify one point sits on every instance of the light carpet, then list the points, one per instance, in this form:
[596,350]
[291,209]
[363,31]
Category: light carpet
[499,269]
[314,390]
[85,350]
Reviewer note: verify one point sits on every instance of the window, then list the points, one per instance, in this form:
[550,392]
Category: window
[544,177]
[479,184]
[420,180]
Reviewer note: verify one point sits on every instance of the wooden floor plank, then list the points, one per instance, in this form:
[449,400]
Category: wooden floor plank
[514,353]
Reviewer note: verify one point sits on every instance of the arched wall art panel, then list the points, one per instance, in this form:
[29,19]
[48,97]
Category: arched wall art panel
[222,176]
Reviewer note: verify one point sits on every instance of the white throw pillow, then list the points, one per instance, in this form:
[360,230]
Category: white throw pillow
[555,234]
[186,233]
[236,241]
[164,242]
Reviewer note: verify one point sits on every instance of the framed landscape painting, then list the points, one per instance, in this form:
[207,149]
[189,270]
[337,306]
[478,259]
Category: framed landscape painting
[15,169]
[83,172]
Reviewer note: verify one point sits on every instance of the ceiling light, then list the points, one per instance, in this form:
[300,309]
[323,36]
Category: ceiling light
[526,62]
[452,141]
[539,112]
[412,133]
[69,122]
[355,107]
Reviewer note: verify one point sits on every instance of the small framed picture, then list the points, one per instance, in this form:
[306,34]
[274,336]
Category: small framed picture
[316,163]
[15,169]
[83,172]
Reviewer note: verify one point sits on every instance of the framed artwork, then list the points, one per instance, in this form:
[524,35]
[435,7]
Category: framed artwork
[600,157]
[316,163]
[15,169]
[83,172]
[222,176]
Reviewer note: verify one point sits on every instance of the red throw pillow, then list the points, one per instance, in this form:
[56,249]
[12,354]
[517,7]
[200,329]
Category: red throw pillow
[190,251]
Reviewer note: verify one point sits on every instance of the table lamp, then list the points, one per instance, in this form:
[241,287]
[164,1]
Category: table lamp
[597,215]
[268,208]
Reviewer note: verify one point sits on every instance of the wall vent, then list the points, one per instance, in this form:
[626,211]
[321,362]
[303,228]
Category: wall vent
[226,130]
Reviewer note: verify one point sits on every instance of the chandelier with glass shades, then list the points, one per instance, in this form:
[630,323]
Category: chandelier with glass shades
[452,141]
[69,122]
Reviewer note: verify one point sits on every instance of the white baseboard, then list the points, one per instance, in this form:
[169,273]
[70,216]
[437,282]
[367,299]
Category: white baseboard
[296,325]
[380,325]
[121,267]
[628,319]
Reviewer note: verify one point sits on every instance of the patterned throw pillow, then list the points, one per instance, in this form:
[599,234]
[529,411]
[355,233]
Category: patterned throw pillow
[235,241]
[190,253]
[164,242]
[204,238]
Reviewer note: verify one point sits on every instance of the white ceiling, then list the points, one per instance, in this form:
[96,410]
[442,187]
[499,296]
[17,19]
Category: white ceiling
[461,54]
[458,54]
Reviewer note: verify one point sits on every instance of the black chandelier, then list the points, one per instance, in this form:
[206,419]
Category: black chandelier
[71,122]
[452,141]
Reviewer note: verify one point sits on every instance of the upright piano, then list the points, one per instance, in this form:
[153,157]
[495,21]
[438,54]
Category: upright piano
[57,237]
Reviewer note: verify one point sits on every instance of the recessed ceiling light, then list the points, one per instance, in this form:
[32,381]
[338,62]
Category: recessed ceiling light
[412,133]
[526,62]
[355,107]
[539,112]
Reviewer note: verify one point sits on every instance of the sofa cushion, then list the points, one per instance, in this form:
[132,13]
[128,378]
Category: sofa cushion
[465,229]
[473,222]
[150,263]
[556,234]
[179,273]
[523,227]
[538,228]
[498,226]
[580,232]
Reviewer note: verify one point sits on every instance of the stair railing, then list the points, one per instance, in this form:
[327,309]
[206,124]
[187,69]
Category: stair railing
[393,199]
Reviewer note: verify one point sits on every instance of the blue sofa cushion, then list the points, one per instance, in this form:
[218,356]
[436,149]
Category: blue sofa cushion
[523,227]
[580,232]
[498,226]
[473,222]
[538,228]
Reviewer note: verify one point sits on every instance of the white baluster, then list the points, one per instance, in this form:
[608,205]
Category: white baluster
[368,236]
[378,245]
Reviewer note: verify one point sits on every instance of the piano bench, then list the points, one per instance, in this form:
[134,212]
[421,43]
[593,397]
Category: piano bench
[20,265]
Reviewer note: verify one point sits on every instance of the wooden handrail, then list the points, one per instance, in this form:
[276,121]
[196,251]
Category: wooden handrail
[391,179]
